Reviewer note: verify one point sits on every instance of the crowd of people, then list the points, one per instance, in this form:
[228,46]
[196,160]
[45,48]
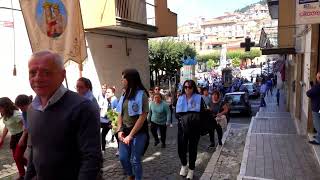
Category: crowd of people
[64,132]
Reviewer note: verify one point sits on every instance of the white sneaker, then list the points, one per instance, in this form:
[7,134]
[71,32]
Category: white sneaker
[190,174]
[183,170]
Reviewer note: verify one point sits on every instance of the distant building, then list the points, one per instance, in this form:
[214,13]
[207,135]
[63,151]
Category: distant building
[230,29]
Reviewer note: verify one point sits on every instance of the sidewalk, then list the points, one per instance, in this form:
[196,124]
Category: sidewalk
[274,150]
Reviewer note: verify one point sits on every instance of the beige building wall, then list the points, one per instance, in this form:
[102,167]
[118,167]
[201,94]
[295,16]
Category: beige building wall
[110,61]
[304,67]
[286,23]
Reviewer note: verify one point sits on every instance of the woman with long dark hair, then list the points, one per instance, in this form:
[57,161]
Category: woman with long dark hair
[188,109]
[133,108]
[13,122]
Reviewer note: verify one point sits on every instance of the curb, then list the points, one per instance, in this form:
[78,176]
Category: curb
[245,154]
[208,172]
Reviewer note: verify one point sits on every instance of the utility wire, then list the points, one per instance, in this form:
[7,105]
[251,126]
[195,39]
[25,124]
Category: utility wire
[14,42]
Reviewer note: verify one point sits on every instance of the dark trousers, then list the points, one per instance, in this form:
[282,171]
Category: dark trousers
[163,132]
[262,101]
[171,111]
[105,129]
[216,126]
[187,141]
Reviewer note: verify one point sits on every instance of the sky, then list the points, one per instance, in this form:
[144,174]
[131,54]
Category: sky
[187,10]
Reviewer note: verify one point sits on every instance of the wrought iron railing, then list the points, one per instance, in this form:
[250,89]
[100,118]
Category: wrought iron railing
[139,11]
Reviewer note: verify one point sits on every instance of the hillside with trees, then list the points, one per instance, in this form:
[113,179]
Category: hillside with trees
[246,8]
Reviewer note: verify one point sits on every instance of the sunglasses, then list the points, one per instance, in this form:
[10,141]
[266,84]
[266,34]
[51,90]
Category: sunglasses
[187,87]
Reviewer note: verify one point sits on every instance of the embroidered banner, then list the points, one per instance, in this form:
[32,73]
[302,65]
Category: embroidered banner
[55,25]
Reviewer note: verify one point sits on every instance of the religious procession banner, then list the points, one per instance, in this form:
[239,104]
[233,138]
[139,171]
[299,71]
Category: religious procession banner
[55,25]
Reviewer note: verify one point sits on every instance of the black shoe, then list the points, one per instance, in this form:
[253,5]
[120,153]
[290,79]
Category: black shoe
[156,143]
[220,142]
[163,145]
[314,142]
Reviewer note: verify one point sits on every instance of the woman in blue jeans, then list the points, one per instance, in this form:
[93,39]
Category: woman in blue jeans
[133,108]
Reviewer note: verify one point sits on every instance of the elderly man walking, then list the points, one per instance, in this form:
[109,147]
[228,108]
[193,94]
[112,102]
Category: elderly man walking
[64,127]
[314,95]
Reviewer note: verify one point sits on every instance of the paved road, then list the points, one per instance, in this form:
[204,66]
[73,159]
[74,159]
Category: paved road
[158,163]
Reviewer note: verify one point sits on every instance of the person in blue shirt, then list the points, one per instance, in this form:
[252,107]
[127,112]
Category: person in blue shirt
[110,103]
[84,89]
[23,101]
[278,96]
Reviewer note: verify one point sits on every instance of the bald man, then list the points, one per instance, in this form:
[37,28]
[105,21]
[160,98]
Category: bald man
[64,127]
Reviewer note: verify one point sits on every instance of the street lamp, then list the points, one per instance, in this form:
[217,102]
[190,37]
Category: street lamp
[273,6]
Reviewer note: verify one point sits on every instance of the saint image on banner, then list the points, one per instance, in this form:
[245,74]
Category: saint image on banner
[51,17]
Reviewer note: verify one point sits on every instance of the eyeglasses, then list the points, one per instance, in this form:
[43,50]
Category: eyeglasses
[189,87]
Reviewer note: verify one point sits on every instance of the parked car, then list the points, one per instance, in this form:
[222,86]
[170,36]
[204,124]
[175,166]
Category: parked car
[251,88]
[238,103]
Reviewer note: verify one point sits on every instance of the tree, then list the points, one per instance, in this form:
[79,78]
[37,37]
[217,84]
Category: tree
[165,55]
[211,63]
[236,62]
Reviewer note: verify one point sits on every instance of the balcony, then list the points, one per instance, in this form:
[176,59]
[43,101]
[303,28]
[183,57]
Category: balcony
[277,40]
[149,18]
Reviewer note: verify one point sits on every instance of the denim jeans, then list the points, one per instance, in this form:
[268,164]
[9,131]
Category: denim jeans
[262,101]
[316,124]
[130,155]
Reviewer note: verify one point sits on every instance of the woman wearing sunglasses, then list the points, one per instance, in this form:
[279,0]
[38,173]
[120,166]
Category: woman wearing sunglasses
[188,109]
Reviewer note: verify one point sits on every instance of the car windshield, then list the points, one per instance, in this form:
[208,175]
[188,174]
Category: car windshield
[233,99]
[249,87]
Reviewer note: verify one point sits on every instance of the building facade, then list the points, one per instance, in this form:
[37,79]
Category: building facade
[117,35]
[230,29]
[298,45]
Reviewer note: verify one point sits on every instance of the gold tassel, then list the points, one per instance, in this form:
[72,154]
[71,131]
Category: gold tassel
[14,70]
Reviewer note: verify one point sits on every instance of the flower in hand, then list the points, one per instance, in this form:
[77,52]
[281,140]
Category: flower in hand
[127,139]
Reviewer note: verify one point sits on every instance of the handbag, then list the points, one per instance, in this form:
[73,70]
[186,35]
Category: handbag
[222,121]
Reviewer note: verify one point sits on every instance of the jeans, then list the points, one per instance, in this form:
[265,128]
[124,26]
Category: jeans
[130,155]
[262,101]
[163,132]
[316,124]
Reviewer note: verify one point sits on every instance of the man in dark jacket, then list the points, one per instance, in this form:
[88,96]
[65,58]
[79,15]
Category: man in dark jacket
[64,128]
[314,95]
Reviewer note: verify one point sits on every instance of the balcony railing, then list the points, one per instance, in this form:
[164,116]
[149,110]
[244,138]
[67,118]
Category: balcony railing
[138,11]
